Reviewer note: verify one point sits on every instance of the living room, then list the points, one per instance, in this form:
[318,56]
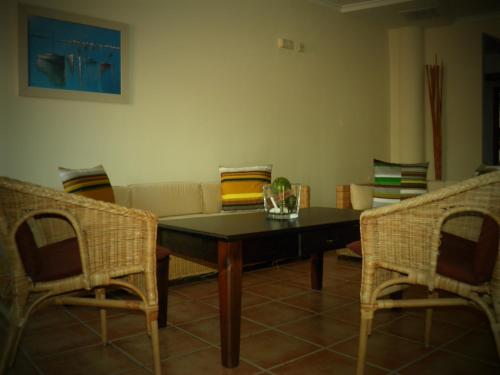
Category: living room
[208,86]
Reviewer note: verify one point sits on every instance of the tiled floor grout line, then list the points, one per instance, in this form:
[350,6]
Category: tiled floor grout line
[442,346]
[193,320]
[192,334]
[413,312]
[31,361]
[295,359]
[127,354]
[330,349]
[214,346]
[205,348]
[111,342]
[433,350]
[475,359]
[328,313]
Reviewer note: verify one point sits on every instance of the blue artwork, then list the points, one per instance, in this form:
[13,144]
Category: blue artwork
[72,56]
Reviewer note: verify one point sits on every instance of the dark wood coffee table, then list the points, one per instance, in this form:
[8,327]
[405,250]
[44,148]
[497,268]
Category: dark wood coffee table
[227,242]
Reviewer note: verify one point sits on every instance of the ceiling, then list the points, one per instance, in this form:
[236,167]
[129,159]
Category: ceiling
[425,13]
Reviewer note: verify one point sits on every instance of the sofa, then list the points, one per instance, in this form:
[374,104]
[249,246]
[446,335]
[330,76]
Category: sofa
[166,200]
[181,199]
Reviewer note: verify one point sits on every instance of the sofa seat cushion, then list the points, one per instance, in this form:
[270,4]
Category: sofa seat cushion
[469,261]
[174,217]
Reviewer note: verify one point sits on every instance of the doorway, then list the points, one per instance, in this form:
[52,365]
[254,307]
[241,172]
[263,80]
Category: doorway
[491,100]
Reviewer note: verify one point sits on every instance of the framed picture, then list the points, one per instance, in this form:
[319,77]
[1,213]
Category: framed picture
[68,56]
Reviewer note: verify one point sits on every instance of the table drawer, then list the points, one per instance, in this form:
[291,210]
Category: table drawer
[328,239]
[270,248]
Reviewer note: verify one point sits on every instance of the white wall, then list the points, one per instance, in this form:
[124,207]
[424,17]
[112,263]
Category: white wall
[459,47]
[209,87]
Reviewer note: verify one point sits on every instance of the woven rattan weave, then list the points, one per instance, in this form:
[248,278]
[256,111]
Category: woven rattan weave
[400,248]
[117,249]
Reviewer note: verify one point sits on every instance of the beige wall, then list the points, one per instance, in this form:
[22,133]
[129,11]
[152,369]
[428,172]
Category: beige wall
[3,89]
[459,46]
[209,87]
[406,57]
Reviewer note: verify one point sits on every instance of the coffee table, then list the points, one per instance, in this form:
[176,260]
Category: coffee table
[228,241]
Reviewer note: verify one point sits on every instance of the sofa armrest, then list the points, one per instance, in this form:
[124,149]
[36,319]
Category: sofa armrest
[305,196]
[343,196]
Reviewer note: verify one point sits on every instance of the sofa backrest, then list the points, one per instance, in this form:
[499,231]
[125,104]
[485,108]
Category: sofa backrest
[179,198]
[171,198]
[359,196]
[211,198]
[122,195]
[167,199]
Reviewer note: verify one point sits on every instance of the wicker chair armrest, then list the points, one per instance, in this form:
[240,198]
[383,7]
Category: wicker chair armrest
[119,240]
[402,234]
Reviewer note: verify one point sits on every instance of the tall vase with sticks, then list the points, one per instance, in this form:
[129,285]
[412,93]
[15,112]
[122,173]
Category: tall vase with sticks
[434,75]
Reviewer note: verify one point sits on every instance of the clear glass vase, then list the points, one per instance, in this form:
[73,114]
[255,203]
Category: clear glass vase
[282,204]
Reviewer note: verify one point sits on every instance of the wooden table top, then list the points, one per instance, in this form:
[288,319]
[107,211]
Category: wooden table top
[251,225]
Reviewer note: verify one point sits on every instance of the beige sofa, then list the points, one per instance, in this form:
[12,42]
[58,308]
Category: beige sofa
[180,199]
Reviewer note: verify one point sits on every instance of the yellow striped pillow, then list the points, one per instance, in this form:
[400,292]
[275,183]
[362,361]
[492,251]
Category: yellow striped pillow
[241,187]
[92,182]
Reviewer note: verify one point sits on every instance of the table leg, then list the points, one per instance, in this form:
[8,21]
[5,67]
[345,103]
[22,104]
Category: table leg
[230,270]
[317,270]
[162,267]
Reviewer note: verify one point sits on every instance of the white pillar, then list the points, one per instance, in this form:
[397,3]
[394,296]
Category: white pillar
[407,78]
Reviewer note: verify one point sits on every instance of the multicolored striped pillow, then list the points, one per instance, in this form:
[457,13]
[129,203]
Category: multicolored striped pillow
[241,187]
[91,182]
[395,182]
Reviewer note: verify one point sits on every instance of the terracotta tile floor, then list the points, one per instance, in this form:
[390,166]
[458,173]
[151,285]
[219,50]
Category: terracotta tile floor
[286,329]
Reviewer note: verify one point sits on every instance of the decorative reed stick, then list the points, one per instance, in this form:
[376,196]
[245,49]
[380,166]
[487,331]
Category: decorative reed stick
[434,75]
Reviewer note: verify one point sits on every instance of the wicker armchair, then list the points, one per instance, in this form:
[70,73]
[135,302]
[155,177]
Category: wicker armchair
[80,245]
[404,244]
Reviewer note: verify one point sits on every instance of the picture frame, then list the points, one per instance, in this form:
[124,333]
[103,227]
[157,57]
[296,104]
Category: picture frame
[68,56]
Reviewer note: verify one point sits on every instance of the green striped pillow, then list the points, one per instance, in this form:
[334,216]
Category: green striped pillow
[395,182]
[241,187]
[90,182]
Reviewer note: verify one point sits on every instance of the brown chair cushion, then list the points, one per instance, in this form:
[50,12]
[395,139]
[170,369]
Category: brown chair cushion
[468,261]
[59,260]
[486,250]
[51,262]
[28,251]
[161,253]
[356,247]
[456,258]
[62,259]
